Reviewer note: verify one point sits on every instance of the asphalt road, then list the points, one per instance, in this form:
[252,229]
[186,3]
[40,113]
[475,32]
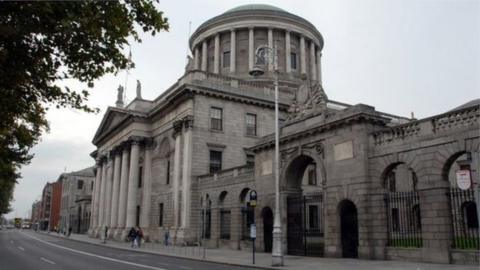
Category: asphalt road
[29,250]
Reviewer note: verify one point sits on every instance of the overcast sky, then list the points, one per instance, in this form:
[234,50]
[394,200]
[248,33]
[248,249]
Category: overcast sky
[399,56]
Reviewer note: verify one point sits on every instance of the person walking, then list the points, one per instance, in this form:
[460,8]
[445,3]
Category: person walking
[132,235]
[139,236]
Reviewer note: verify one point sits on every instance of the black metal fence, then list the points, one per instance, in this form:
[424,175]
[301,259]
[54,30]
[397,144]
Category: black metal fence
[464,219]
[305,225]
[404,219]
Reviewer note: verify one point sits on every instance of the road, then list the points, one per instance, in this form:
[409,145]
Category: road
[28,250]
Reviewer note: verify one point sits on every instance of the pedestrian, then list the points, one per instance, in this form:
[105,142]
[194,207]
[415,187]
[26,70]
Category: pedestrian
[139,236]
[132,234]
[69,231]
[105,235]
[166,236]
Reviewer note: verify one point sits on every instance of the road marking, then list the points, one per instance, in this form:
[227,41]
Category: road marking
[21,248]
[46,260]
[94,255]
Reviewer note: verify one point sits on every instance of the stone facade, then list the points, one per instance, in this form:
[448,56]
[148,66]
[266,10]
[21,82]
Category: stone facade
[75,210]
[185,163]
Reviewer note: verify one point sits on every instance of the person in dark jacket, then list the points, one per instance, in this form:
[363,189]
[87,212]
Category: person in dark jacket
[132,235]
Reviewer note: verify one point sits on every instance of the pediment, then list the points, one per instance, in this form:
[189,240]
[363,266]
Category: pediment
[112,118]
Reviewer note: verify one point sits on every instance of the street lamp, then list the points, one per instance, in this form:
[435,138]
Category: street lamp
[271,53]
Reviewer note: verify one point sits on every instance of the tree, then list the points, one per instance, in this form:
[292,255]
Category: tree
[43,43]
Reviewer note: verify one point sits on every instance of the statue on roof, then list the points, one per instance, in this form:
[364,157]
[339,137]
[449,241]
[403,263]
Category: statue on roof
[139,90]
[119,102]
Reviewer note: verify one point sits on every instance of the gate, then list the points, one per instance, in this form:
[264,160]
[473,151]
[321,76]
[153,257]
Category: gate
[465,219]
[305,225]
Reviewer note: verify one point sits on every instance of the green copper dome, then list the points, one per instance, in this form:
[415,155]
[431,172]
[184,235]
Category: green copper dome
[254,7]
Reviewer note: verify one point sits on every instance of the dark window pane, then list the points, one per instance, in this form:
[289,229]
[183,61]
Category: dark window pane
[216,115]
[293,60]
[215,161]
[160,218]
[225,224]
[251,123]
[226,59]
[80,184]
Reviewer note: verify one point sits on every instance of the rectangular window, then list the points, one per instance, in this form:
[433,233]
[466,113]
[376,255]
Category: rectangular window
[293,60]
[160,217]
[313,216]
[215,161]
[91,186]
[226,59]
[168,172]
[250,160]
[140,176]
[251,123]
[312,177]
[80,184]
[216,118]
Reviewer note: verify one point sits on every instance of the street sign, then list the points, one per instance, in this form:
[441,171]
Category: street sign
[463,179]
[253,231]
[253,198]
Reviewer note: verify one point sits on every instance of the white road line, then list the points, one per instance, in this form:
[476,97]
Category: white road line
[94,255]
[21,248]
[46,260]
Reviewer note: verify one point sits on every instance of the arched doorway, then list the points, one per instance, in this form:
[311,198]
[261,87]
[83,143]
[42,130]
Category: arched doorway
[349,229]
[305,235]
[267,217]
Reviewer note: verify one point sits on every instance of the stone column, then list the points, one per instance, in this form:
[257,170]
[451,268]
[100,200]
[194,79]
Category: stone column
[132,182]
[96,196]
[116,188]
[319,66]
[102,204]
[204,55]
[288,64]
[313,68]
[303,62]
[216,55]
[233,49]
[108,196]
[177,126]
[270,44]
[251,50]
[122,201]
[147,189]
[196,62]
[187,170]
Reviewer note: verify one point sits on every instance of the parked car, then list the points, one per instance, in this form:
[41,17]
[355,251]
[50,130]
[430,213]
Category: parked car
[10,226]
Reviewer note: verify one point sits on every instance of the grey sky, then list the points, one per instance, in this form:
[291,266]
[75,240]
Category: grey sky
[399,56]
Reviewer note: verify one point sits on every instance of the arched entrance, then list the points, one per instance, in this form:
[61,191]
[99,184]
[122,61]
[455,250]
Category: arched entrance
[304,201]
[348,229]
[267,217]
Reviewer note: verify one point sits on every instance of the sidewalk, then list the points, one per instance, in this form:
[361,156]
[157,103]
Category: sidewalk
[263,260]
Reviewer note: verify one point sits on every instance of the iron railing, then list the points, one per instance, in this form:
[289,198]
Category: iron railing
[464,219]
[404,219]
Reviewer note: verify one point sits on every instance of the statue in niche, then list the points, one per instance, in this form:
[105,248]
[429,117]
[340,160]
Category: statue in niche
[139,90]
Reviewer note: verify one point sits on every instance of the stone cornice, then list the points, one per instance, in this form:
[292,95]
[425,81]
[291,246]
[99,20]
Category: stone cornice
[268,141]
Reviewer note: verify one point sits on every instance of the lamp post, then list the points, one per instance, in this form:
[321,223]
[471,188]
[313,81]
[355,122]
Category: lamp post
[271,53]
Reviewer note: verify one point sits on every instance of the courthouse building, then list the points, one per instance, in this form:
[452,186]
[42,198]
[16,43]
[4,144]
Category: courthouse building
[354,182]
